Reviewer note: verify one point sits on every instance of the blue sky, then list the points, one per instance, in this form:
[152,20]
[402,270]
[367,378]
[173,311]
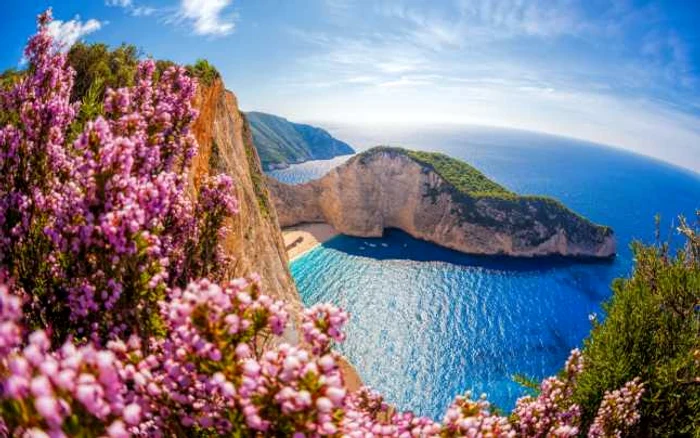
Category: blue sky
[619,72]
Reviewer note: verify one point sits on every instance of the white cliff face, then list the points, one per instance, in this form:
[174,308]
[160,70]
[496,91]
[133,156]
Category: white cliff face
[386,189]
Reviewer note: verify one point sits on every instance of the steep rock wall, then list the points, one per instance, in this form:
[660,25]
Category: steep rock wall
[386,189]
[254,238]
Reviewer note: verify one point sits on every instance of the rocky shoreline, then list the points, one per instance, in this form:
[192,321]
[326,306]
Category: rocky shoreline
[389,188]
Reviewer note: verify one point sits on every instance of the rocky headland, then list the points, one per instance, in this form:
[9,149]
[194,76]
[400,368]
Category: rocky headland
[442,200]
[280,142]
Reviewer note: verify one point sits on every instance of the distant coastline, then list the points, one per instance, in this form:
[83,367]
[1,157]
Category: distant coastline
[271,167]
[280,142]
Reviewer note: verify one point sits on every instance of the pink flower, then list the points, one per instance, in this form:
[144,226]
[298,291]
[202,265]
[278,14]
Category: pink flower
[132,414]
[41,386]
[117,430]
[49,409]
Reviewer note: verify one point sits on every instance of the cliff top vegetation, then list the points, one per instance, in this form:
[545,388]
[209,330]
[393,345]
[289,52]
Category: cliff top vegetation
[467,181]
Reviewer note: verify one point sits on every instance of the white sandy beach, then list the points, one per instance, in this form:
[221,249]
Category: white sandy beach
[302,238]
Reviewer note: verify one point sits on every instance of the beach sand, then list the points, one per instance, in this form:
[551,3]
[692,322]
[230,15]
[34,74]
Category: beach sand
[302,238]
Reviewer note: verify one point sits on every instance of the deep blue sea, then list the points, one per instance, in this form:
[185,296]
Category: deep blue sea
[428,323]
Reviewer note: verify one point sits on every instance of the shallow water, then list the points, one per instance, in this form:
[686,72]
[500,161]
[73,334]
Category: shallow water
[428,323]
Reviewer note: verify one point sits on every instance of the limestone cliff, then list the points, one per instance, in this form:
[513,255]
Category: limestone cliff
[254,237]
[429,197]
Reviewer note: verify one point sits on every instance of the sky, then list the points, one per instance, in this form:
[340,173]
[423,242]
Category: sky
[619,72]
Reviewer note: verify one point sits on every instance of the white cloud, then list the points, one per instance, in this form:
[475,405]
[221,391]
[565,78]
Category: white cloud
[208,17]
[670,53]
[645,126]
[493,62]
[119,3]
[142,11]
[67,33]
[131,8]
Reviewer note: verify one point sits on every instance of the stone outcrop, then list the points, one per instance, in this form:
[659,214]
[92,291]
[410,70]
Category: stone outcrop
[387,188]
[254,238]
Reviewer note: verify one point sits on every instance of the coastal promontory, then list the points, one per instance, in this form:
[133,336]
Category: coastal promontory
[280,142]
[441,200]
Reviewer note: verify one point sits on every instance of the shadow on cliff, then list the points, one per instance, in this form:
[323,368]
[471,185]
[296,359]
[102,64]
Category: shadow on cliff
[398,245]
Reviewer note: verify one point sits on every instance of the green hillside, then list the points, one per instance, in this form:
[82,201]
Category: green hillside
[464,177]
[280,142]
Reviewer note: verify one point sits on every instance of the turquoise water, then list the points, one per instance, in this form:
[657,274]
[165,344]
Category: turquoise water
[429,323]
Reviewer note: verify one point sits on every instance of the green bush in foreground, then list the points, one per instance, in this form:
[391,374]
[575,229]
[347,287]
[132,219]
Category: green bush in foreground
[651,330]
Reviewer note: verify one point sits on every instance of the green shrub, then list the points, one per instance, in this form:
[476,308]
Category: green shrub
[651,330]
[97,64]
[9,77]
[464,177]
[204,71]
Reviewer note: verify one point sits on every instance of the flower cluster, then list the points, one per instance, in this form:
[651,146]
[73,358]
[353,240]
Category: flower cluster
[10,314]
[322,324]
[618,411]
[552,412]
[467,417]
[44,389]
[366,414]
[96,219]
[210,373]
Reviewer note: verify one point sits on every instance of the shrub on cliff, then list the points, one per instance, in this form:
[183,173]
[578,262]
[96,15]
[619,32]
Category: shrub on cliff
[204,71]
[651,330]
[97,64]
[98,67]
[103,331]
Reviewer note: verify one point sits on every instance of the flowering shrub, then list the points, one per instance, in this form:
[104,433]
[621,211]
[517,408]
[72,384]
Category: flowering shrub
[103,331]
[97,227]
[618,412]
[552,412]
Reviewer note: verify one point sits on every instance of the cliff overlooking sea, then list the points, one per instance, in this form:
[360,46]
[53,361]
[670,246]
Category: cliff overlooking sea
[486,318]
[441,200]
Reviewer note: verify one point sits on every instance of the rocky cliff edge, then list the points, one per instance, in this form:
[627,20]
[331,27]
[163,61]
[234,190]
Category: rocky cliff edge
[396,188]
[253,237]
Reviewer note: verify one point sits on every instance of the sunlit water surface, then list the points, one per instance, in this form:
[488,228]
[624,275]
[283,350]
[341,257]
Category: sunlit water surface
[428,323]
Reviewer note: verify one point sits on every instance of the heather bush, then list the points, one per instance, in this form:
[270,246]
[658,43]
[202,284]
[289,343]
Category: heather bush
[96,224]
[118,316]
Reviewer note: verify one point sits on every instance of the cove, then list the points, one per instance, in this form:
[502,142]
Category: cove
[428,323]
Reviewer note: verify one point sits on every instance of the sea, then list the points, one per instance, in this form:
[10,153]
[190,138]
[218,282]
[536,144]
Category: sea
[428,324]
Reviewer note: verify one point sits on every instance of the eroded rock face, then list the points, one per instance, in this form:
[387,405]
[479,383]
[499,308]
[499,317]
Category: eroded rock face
[386,189]
[254,238]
